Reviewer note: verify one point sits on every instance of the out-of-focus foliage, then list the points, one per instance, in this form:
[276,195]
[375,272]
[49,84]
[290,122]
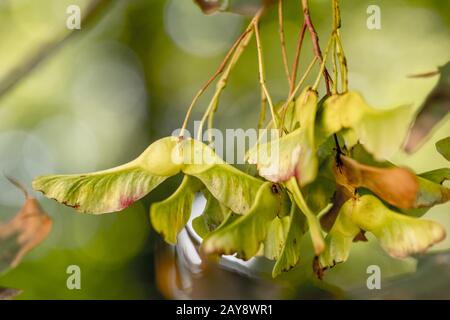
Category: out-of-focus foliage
[435,109]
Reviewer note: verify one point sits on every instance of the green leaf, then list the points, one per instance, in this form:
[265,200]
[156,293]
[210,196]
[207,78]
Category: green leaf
[245,235]
[289,256]
[437,176]
[171,215]
[432,112]
[276,236]
[212,217]
[117,188]
[360,154]
[319,193]
[399,235]
[313,223]
[292,155]
[232,187]
[431,191]
[290,121]
[443,147]
[340,238]
[350,111]
[100,192]
[278,160]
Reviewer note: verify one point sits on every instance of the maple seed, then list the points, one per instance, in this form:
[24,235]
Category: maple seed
[163,157]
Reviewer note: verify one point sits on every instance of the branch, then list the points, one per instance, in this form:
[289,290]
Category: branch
[235,54]
[297,57]
[17,74]
[213,77]
[262,80]
[283,42]
[315,41]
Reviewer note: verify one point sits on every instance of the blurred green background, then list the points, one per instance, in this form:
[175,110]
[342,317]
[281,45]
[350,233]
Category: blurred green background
[116,87]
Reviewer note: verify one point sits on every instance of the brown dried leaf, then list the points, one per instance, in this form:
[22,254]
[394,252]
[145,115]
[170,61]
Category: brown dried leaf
[209,6]
[26,230]
[397,186]
[9,293]
[432,112]
[243,7]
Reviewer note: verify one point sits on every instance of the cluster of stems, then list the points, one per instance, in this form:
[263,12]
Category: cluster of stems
[334,46]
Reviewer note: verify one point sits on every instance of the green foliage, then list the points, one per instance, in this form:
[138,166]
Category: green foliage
[247,216]
[99,192]
[245,235]
[399,235]
[171,215]
[294,226]
[213,215]
[340,238]
[117,188]
[330,161]
[231,187]
[432,193]
[293,154]
[443,146]
[350,111]
[313,222]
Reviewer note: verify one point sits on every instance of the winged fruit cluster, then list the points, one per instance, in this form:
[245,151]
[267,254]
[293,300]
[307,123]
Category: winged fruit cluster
[329,178]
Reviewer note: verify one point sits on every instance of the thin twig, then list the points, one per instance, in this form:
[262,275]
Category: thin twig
[339,48]
[291,97]
[19,185]
[339,51]
[335,68]
[222,82]
[424,75]
[302,80]
[301,36]
[342,62]
[262,79]
[213,77]
[262,113]
[315,41]
[283,42]
[338,151]
[13,78]
[322,65]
